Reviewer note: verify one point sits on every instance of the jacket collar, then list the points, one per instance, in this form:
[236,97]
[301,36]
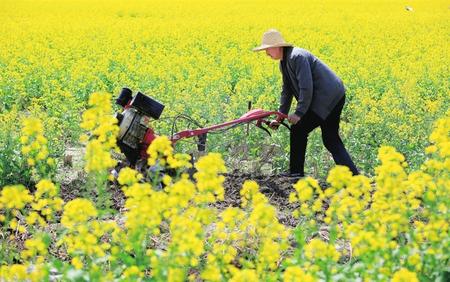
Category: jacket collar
[287,52]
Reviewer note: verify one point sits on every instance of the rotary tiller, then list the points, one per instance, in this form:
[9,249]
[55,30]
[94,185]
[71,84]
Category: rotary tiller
[136,135]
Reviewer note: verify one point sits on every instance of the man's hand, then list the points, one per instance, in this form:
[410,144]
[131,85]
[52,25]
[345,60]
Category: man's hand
[293,119]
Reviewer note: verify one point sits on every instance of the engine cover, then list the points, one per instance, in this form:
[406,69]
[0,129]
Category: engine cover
[133,128]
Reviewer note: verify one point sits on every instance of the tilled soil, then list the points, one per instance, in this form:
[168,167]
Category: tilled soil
[275,187]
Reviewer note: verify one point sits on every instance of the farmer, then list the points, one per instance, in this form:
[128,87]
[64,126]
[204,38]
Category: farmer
[320,96]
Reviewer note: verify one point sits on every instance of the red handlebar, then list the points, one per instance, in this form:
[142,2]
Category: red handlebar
[257,114]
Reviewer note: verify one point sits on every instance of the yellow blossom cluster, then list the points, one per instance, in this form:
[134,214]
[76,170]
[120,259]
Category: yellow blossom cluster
[161,149]
[128,176]
[185,249]
[295,273]
[440,147]
[132,272]
[305,190]
[43,205]
[209,182]
[404,275]
[85,233]
[225,240]
[85,240]
[77,212]
[245,275]
[103,127]
[15,197]
[144,207]
[352,194]
[36,248]
[23,272]
[270,236]
[34,146]
[46,203]
[318,250]
[180,203]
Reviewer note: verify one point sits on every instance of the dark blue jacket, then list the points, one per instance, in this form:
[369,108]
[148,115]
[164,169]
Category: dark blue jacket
[313,84]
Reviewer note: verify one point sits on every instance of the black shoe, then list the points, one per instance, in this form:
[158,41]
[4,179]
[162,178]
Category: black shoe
[292,174]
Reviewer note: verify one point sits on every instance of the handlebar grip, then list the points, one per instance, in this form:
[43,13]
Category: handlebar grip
[281,116]
[281,122]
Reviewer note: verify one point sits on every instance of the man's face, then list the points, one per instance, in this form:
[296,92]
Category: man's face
[275,53]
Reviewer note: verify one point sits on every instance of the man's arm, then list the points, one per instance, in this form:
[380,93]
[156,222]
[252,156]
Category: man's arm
[285,105]
[286,95]
[305,85]
[285,100]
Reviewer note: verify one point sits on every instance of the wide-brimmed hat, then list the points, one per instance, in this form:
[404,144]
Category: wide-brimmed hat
[272,38]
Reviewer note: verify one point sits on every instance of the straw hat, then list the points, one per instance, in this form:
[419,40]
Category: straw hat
[272,38]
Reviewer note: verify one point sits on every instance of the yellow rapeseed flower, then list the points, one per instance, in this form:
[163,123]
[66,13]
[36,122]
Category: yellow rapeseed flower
[15,197]
[404,275]
[77,211]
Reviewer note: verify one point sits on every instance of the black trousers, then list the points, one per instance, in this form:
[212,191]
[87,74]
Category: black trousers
[330,137]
